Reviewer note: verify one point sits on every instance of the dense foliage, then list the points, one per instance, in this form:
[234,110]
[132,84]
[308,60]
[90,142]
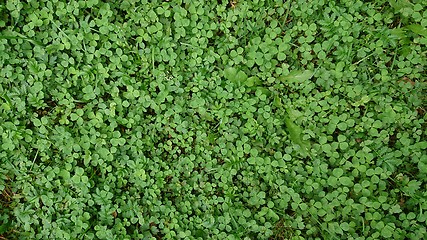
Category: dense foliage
[140,119]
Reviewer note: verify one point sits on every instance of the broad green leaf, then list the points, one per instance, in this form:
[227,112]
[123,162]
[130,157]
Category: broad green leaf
[255,81]
[397,33]
[277,101]
[235,76]
[399,4]
[297,76]
[296,136]
[241,77]
[418,29]
[346,181]
[230,73]
[264,91]
[337,172]
[422,164]
[37,87]
[20,36]
[387,231]
[89,93]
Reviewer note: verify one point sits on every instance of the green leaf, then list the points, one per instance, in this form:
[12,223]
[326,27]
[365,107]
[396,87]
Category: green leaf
[16,35]
[337,172]
[412,187]
[422,164]
[387,231]
[399,4]
[397,33]
[88,93]
[241,77]
[346,181]
[64,174]
[230,73]
[235,76]
[37,87]
[296,136]
[296,76]
[246,213]
[418,29]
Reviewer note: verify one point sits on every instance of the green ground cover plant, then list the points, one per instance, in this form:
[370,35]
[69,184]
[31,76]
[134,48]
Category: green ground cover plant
[179,119]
